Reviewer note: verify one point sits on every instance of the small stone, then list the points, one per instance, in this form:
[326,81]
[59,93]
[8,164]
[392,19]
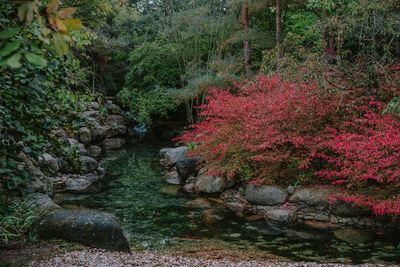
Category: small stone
[265,195]
[173,178]
[290,189]
[321,217]
[85,135]
[94,151]
[280,215]
[235,235]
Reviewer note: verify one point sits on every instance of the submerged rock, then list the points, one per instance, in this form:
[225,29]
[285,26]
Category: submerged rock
[200,203]
[113,143]
[265,195]
[354,236]
[90,228]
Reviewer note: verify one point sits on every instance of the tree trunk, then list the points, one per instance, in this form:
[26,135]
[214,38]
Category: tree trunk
[278,19]
[246,42]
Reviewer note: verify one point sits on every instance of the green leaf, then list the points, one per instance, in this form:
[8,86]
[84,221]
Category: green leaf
[10,32]
[36,60]
[60,45]
[14,61]
[10,48]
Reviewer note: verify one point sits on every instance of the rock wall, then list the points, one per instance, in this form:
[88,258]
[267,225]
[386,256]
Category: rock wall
[309,206]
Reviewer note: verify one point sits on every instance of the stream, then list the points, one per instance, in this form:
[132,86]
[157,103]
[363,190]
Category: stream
[154,216]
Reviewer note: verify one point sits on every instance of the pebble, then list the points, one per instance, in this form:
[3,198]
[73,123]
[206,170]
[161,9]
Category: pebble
[100,258]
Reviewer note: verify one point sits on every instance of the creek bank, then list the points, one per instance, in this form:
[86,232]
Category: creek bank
[72,167]
[278,207]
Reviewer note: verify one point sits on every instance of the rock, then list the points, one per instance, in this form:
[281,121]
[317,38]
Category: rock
[254,218]
[354,236]
[74,144]
[321,217]
[85,135]
[303,235]
[91,177]
[117,130]
[94,151]
[90,228]
[190,188]
[315,197]
[95,105]
[265,195]
[345,209]
[113,109]
[113,143]
[173,178]
[91,114]
[320,225]
[171,190]
[187,167]
[290,189]
[212,216]
[199,203]
[89,163]
[77,185]
[280,215]
[163,151]
[40,201]
[175,154]
[99,132]
[115,120]
[212,184]
[50,162]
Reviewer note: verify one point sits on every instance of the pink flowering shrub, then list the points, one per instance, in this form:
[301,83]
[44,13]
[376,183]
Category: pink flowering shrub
[276,132]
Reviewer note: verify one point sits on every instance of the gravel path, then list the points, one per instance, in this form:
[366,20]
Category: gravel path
[99,258]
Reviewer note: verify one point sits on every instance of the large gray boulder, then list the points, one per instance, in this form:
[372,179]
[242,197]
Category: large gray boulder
[212,184]
[314,197]
[265,195]
[90,228]
[176,154]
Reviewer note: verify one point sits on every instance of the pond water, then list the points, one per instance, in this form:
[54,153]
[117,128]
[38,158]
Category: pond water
[154,216]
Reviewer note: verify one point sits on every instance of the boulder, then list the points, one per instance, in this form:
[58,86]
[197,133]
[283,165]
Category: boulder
[85,135]
[163,151]
[113,143]
[94,151]
[314,197]
[115,120]
[117,130]
[280,215]
[187,167]
[189,188]
[50,162]
[176,154]
[113,109]
[77,185]
[40,201]
[173,178]
[74,144]
[95,105]
[265,195]
[89,163]
[91,114]
[90,228]
[99,132]
[354,236]
[345,209]
[212,184]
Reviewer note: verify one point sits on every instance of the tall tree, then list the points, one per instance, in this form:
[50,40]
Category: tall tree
[246,41]
[278,18]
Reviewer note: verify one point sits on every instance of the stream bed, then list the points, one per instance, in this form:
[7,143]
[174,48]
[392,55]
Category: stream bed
[154,216]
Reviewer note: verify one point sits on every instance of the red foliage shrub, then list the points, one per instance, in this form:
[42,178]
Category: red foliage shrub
[276,130]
